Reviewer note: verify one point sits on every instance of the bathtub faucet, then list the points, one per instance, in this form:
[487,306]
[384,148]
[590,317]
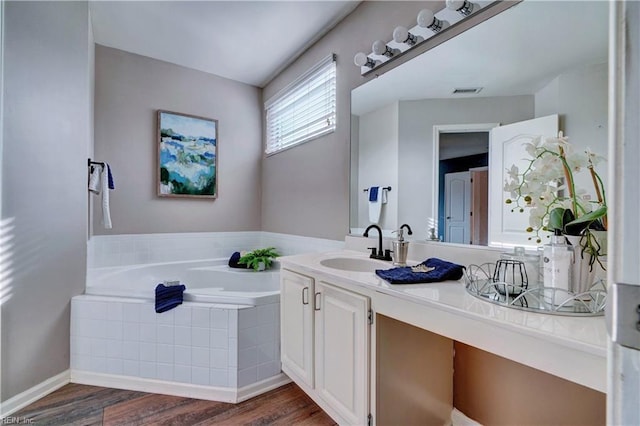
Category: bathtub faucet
[380,254]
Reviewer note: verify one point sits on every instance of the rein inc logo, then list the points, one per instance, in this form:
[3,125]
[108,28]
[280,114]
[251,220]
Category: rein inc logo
[12,420]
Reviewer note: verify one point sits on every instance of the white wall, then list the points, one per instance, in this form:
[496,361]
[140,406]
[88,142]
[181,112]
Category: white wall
[378,164]
[47,129]
[129,90]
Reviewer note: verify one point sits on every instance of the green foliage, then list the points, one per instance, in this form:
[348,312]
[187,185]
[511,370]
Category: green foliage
[255,257]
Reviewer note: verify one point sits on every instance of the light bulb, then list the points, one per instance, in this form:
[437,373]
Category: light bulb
[363,60]
[402,35]
[455,4]
[379,47]
[465,7]
[426,19]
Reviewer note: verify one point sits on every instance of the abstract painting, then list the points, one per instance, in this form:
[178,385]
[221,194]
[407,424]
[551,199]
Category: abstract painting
[187,156]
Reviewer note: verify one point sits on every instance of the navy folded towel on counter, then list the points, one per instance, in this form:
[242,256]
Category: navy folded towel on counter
[168,297]
[443,271]
[233,261]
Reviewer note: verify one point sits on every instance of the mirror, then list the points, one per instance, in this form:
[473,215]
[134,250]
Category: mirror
[409,128]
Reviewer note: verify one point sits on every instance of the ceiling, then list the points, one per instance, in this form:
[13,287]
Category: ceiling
[517,52]
[246,41]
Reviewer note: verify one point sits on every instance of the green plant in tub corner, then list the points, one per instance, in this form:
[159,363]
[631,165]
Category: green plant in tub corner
[547,189]
[255,258]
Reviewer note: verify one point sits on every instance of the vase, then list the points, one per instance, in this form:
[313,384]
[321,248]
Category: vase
[583,275]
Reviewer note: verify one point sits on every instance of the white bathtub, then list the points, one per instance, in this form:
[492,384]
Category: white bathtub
[208,281]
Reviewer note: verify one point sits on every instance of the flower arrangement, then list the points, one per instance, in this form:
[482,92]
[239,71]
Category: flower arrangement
[547,189]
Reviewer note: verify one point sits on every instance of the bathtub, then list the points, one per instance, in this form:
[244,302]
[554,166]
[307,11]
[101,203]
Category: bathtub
[207,281]
[222,343]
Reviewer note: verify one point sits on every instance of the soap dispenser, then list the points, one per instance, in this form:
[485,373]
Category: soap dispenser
[401,247]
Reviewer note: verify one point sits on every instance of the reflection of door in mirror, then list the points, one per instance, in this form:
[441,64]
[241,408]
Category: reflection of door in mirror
[457,201]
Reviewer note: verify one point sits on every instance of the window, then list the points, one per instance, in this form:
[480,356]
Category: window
[304,110]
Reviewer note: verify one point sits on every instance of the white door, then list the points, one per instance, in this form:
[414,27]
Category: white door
[457,207]
[342,355]
[296,324]
[623,305]
[506,148]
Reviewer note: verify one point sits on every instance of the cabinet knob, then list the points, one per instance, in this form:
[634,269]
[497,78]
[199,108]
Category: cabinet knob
[305,292]
[316,302]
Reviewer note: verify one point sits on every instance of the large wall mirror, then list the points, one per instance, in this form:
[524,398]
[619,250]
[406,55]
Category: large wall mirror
[427,125]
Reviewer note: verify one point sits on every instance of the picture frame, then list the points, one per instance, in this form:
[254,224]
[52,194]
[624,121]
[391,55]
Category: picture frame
[187,164]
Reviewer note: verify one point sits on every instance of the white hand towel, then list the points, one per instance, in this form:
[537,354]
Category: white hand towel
[94,179]
[375,207]
[106,213]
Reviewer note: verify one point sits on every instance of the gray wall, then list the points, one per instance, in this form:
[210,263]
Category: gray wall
[129,90]
[47,102]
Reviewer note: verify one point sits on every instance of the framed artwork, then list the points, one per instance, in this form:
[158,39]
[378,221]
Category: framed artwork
[187,156]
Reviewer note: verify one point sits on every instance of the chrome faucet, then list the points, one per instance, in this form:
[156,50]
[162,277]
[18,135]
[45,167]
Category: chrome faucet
[380,254]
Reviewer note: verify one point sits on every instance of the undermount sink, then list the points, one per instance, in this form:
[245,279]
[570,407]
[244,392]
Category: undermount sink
[354,264]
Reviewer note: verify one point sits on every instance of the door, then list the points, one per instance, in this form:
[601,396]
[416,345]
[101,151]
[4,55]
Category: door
[296,324]
[623,272]
[342,355]
[506,148]
[457,207]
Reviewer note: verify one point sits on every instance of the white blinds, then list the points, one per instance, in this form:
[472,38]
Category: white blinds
[303,110]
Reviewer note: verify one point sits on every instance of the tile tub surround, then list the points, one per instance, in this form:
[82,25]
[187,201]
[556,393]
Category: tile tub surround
[132,249]
[195,344]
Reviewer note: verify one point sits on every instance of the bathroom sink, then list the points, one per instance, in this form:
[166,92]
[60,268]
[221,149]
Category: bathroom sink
[354,264]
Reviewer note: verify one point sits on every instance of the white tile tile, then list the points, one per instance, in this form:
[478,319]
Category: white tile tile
[182,316]
[97,328]
[98,348]
[268,370]
[131,350]
[200,317]
[82,362]
[182,355]
[265,333]
[164,372]
[166,317]
[232,378]
[131,332]
[266,314]
[148,333]
[247,358]
[114,366]
[182,336]
[130,368]
[131,312]
[114,349]
[82,309]
[200,337]
[83,328]
[247,337]
[165,334]
[219,377]
[115,311]
[98,364]
[233,353]
[98,311]
[81,345]
[233,324]
[219,339]
[148,351]
[148,370]
[182,373]
[148,314]
[219,358]
[266,352]
[200,376]
[200,357]
[247,376]
[247,318]
[114,330]
[219,319]
[165,353]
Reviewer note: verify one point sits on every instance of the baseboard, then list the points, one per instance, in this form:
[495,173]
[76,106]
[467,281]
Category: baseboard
[255,389]
[33,394]
[187,390]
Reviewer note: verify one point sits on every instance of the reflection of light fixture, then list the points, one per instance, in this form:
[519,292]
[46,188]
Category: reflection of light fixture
[402,35]
[363,60]
[464,7]
[426,19]
[379,47]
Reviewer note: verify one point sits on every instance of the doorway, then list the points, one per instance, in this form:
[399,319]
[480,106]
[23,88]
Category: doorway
[461,169]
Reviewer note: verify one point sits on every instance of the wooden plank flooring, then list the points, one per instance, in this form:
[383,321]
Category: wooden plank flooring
[75,404]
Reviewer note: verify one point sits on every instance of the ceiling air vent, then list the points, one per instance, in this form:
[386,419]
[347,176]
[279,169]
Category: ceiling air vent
[466,90]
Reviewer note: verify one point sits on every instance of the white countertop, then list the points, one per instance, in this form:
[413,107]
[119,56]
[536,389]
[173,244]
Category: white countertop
[543,341]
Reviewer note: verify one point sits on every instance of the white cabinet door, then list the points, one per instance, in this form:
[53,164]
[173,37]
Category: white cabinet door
[342,351]
[296,323]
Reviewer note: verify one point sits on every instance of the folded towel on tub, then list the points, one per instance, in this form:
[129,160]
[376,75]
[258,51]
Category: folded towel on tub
[168,297]
[434,270]
[233,261]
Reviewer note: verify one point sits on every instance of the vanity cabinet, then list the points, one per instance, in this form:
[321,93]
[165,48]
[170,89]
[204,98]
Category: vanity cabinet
[326,344]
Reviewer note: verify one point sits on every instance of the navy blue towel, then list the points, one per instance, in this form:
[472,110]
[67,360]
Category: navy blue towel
[112,185]
[168,297]
[373,193]
[443,271]
[233,261]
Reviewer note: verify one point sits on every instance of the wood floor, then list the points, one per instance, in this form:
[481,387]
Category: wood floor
[91,405]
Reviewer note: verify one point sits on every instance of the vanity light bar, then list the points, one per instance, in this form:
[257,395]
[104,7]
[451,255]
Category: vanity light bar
[429,25]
